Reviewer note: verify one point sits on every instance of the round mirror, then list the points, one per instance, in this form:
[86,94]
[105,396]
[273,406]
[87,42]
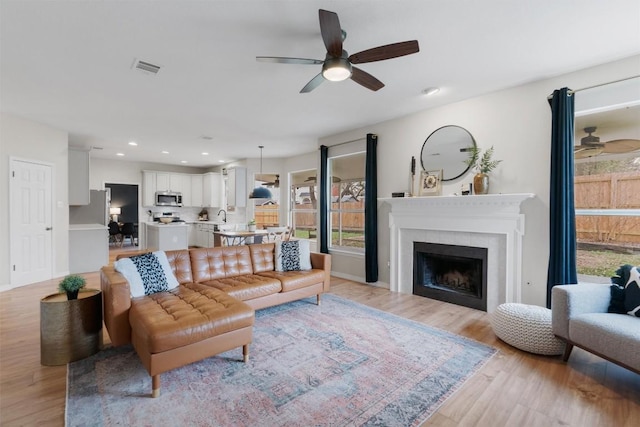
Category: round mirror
[447,148]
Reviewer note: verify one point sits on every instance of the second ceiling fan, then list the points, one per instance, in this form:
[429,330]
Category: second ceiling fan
[337,65]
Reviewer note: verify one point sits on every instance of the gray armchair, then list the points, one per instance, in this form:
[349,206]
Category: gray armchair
[579,316]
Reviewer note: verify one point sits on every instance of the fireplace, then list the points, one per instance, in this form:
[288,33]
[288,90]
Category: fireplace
[451,273]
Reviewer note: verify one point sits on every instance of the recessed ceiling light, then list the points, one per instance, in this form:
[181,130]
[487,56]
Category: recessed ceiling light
[183,161]
[119,154]
[165,152]
[205,154]
[221,161]
[431,91]
[133,143]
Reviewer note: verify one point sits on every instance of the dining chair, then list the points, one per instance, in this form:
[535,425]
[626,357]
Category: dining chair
[114,233]
[128,230]
[277,234]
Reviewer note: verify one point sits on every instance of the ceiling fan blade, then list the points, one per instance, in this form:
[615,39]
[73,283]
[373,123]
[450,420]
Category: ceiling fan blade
[621,146]
[331,32]
[580,152]
[283,60]
[313,83]
[389,51]
[365,79]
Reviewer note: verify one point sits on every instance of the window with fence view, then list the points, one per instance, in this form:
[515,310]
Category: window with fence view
[304,204]
[347,201]
[607,190]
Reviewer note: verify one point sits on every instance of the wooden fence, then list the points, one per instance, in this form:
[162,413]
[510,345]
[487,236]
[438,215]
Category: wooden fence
[608,191]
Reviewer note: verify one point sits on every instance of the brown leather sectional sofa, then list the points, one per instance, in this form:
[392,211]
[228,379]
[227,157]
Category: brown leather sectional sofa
[212,310]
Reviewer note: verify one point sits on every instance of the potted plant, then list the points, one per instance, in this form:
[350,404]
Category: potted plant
[251,225]
[71,285]
[483,165]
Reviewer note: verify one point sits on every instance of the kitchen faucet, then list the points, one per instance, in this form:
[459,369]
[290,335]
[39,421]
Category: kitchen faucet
[224,218]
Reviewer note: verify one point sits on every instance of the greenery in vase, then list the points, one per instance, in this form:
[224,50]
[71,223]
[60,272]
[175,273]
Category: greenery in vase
[252,222]
[480,161]
[72,283]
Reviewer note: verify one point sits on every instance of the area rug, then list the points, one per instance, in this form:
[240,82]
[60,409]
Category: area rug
[337,364]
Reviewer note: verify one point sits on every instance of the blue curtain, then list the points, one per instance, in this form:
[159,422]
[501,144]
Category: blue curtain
[371,210]
[324,205]
[562,216]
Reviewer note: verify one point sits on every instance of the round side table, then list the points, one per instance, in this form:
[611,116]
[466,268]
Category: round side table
[70,330]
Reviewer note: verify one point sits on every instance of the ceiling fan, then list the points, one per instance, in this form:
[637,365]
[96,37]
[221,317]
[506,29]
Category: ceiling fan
[275,183]
[337,65]
[591,146]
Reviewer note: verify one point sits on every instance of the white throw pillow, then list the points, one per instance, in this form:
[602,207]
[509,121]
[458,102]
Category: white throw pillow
[293,255]
[147,274]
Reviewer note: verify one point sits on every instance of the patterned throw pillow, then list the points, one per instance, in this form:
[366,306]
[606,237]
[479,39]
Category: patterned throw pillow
[293,255]
[625,291]
[632,293]
[147,274]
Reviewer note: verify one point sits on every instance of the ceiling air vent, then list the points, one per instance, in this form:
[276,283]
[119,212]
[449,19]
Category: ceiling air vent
[146,67]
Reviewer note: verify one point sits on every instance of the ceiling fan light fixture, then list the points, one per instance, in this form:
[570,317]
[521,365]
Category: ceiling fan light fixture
[336,69]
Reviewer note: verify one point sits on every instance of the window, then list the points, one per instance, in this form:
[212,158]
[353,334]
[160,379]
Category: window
[267,211]
[347,202]
[304,204]
[607,184]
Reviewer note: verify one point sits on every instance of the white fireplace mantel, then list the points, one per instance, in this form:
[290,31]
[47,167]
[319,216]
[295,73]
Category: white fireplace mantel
[494,221]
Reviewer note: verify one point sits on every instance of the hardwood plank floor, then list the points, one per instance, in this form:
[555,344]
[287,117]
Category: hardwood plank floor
[513,389]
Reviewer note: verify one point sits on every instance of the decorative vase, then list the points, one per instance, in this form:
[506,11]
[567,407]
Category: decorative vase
[481,183]
[72,295]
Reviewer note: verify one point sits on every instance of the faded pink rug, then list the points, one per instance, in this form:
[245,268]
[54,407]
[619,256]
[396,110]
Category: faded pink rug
[339,364]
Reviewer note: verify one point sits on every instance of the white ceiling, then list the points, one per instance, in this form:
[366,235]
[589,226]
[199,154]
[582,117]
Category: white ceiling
[68,64]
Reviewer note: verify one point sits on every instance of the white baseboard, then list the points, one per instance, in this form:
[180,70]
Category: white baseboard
[359,279]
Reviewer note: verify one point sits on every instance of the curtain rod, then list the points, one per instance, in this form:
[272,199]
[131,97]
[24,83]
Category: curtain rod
[346,142]
[571,92]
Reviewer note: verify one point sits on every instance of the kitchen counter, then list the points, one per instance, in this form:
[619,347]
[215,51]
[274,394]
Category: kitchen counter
[161,225]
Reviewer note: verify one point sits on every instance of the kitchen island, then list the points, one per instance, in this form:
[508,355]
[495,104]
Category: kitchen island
[166,237]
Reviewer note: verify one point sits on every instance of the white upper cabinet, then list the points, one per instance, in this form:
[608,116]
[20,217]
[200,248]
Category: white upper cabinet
[162,181]
[237,187]
[148,188]
[78,177]
[196,190]
[212,190]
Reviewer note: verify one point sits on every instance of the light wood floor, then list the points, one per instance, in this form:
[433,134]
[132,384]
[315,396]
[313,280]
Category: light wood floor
[513,389]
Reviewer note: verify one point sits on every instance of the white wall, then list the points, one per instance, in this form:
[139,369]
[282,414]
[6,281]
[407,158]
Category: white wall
[29,140]
[517,122]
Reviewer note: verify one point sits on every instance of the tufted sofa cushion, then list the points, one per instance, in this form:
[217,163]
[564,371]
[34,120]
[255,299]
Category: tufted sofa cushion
[217,263]
[188,314]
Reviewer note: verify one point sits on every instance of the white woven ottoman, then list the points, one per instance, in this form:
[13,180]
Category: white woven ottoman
[527,327]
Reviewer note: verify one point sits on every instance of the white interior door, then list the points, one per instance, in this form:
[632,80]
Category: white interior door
[30,222]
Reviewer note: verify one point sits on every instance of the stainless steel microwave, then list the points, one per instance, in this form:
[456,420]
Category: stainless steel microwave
[168,198]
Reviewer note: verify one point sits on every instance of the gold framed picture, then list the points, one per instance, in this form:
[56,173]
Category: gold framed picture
[430,183]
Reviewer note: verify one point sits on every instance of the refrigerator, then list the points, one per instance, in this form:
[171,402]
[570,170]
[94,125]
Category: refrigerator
[88,234]
[96,212]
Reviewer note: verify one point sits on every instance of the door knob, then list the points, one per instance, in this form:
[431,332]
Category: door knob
[49,228]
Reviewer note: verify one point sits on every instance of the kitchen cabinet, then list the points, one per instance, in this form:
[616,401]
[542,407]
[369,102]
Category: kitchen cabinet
[196,190]
[78,177]
[236,187]
[162,181]
[166,237]
[148,188]
[184,181]
[212,190]
[192,235]
[204,235]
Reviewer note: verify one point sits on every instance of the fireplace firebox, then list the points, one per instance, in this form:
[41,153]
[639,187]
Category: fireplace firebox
[451,273]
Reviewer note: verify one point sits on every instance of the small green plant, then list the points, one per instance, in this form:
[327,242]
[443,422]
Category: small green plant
[71,285]
[252,222]
[481,162]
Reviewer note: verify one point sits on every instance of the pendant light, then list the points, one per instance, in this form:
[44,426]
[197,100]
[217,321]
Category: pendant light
[260,192]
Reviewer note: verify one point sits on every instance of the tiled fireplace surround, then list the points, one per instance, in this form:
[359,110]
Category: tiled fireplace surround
[492,221]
